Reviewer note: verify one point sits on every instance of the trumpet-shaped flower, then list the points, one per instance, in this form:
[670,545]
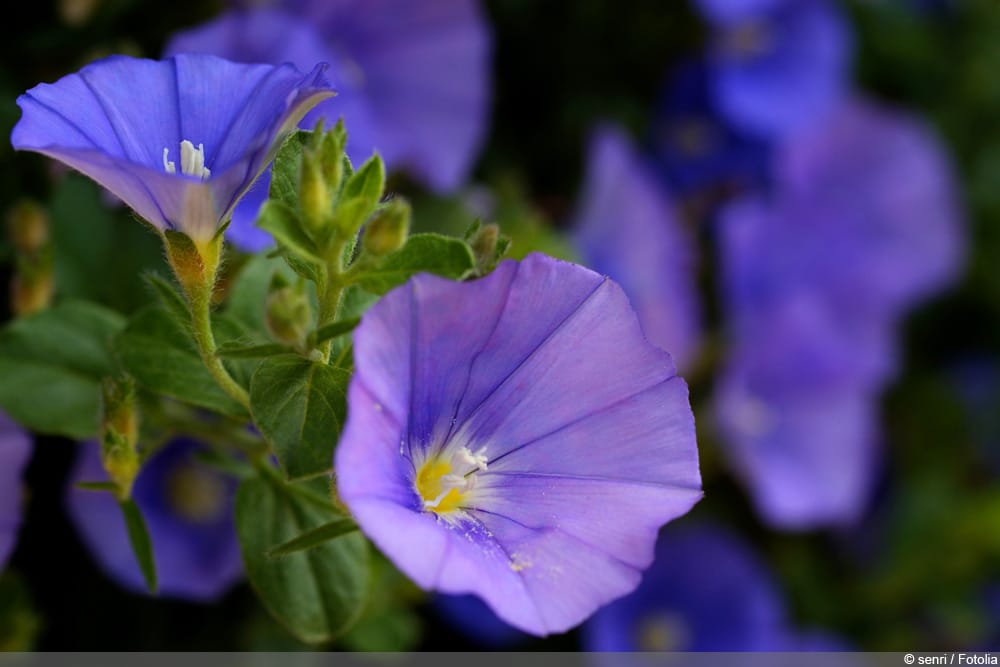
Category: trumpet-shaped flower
[15,449]
[777,65]
[188,509]
[516,438]
[861,224]
[178,140]
[412,80]
[697,150]
[627,228]
[707,591]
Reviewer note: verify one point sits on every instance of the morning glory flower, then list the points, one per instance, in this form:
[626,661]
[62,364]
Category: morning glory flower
[797,406]
[188,509]
[626,227]
[178,140]
[516,438]
[860,225]
[15,450]
[697,151]
[470,616]
[777,65]
[412,80]
[706,591]
[868,203]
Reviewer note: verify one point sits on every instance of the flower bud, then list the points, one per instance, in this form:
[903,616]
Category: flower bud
[119,433]
[288,315]
[315,196]
[331,153]
[28,227]
[31,291]
[488,246]
[388,229]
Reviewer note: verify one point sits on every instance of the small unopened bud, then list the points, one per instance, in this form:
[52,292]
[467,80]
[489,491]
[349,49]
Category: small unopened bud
[315,196]
[288,315]
[30,292]
[331,154]
[120,433]
[28,227]
[388,229]
[488,246]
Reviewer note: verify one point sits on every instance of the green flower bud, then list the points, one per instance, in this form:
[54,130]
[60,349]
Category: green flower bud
[120,433]
[388,229]
[28,227]
[331,154]
[488,246]
[288,315]
[315,196]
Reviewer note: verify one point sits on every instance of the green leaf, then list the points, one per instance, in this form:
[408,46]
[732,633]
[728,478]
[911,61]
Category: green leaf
[98,251]
[245,299]
[334,329]
[171,299]
[285,174]
[316,594]
[237,351]
[315,537]
[52,364]
[138,537]
[431,253]
[360,195]
[284,225]
[162,356]
[299,406]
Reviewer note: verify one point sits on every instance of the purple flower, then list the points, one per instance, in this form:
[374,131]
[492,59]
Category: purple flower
[473,618]
[15,450]
[860,225]
[868,202]
[516,438]
[777,65]
[696,149]
[412,80]
[706,592]
[807,451]
[178,140]
[188,509]
[627,228]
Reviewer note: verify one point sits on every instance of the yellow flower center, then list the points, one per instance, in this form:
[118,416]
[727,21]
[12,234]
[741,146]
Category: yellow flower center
[663,631]
[445,480]
[195,494]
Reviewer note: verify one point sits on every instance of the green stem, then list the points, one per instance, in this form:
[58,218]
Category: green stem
[330,289]
[201,320]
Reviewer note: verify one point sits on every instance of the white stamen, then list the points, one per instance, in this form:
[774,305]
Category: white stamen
[168,167]
[192,161]
[478,459]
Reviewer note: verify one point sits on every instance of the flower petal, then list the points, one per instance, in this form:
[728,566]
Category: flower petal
[541,354]
[627,229]
[15,450]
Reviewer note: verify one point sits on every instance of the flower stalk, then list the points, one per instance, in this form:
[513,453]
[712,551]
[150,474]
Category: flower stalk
[196,266]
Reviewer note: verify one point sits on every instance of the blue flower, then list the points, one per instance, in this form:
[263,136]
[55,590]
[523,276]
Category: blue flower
[626,227]
[412,80]
[777,65]
[473,618]
[188,509]
[178,140]
[522,432]
[15,450]
[696,149]
[706,591]
[860,225]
